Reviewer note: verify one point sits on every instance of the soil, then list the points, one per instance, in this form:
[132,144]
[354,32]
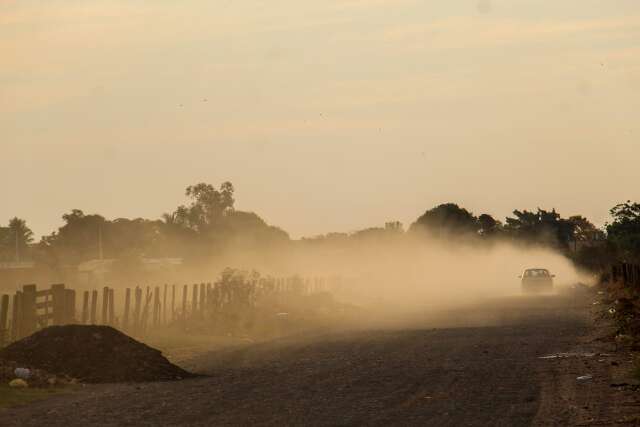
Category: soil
[91,354]
[517,366]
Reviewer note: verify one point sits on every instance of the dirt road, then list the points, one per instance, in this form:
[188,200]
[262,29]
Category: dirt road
[487,375]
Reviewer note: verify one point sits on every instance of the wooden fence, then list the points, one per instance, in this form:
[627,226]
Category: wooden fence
[32,309]
[141,308]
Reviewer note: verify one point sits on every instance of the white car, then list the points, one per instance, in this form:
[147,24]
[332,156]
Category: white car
[535,280]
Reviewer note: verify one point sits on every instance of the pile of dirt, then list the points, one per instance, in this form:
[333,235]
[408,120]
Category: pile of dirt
[92,354]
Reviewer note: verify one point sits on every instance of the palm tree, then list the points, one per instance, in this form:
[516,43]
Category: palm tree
[21,236]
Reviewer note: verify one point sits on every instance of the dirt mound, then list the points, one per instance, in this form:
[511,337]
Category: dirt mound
[92,354]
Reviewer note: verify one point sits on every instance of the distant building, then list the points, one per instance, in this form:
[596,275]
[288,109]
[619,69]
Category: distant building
[97,272]
[17,265]
[155,264]
[94,272]
[15,274]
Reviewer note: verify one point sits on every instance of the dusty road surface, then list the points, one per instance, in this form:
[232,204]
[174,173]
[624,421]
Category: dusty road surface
[487,375]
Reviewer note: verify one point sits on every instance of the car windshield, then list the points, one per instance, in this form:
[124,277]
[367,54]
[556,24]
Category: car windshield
[536,273]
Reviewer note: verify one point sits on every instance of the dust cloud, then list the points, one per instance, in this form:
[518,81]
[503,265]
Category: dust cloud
[384,280]
[407,272]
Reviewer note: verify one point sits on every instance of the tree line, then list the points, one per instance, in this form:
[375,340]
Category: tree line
[209,225]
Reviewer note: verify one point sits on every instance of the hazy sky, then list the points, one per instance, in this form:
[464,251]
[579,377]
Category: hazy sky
[330,115]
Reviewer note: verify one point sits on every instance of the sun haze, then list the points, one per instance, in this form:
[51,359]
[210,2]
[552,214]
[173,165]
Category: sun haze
[329,115]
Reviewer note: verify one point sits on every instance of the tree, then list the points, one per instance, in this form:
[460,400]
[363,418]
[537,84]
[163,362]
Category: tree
[138,237]
[15,240]
[78,239]
[394,227]
[447,219]
[488,225]
[209,225]
[86,237]
[542,227]
[176,239]
[207,207]
[5,243]
[584,231]
[247,228]
[391,230]
[624,231]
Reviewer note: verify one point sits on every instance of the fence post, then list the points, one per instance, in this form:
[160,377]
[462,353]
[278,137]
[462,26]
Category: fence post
[69,306]
[125,316]
[45,323]
[164,305]
[145,311]
[94,307]
[105,305]
[173,303]
[136,311]
[202,299]
[156,307]
[15,319]
[185,290]
[29,314]
[85,307]
[4,316]
[112,308]
[59,303]
[194,302]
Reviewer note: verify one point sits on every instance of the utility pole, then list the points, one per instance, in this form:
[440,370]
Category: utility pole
[17,247]
[100,254]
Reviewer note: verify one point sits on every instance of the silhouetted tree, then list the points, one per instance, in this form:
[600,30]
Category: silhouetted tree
[207,207]
[85,237]
[542,227]
[78,239]
[247,228]
[391,230]
[447,219]
[624,231]
[488,226]
[394,226]
[15,241]
[584,231]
